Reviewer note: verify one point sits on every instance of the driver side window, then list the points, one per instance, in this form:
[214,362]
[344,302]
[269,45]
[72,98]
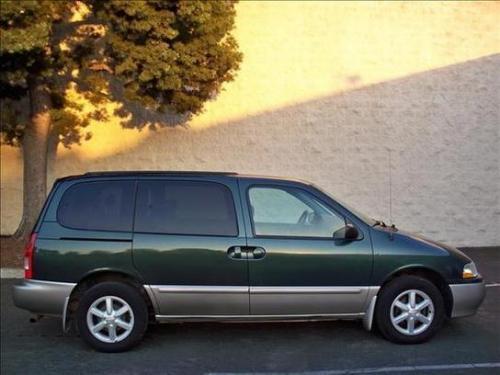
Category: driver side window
[291,212]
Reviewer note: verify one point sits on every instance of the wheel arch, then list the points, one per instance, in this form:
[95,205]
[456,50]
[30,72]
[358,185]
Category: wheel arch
[100,276]
[429,274]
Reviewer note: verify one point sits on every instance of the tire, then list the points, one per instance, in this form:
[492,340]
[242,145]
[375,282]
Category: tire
[417,326]
[116,332]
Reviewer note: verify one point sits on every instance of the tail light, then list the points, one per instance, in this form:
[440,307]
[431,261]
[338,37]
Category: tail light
[29,252]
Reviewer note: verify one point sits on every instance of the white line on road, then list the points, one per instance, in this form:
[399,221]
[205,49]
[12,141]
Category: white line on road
[374,370]
[492,285]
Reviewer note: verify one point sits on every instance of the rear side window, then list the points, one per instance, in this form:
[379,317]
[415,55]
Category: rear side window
[185,207]
[106,205]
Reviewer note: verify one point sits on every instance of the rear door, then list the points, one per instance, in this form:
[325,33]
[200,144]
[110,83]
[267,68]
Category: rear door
[187,236]
[298,269]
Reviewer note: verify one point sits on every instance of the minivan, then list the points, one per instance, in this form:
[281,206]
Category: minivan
[113,252]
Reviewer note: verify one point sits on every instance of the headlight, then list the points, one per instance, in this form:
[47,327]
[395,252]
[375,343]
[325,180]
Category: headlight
[470,271]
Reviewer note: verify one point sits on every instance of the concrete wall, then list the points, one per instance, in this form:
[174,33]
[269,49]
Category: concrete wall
[329,93]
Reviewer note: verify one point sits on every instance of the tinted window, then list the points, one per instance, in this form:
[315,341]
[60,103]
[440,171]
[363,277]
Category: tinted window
[291,212]
[185,207]
[106,205]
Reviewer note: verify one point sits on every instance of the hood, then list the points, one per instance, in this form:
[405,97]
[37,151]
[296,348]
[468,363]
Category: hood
[450,249]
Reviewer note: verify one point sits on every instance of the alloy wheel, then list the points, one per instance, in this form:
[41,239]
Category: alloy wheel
[412,312]
[110,319]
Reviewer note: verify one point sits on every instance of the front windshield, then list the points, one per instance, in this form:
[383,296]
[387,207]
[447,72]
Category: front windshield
[368,220]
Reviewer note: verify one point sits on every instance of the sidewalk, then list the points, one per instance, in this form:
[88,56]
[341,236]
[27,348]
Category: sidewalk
[11,273]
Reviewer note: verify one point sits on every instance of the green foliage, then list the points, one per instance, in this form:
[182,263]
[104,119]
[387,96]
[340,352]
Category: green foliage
[25,30]
[13,120]
[171,55]
[31,54]
[163,55]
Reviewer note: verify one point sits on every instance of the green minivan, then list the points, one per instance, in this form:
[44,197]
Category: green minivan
[115,251]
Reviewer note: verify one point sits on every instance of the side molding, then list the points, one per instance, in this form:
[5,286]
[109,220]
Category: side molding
[216,302]
[206,289]
[283,290]
[187,300]
[256,318]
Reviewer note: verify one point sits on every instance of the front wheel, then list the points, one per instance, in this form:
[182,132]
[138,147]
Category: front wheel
[112,317]
[410,310]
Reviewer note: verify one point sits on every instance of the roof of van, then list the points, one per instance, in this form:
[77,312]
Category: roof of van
[98,174]
[128,173]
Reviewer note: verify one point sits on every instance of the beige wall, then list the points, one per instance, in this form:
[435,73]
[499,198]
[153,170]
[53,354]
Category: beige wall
[324,92]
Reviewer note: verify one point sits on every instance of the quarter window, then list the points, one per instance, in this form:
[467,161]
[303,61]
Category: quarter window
[106,205]
[291,212]
[185,207]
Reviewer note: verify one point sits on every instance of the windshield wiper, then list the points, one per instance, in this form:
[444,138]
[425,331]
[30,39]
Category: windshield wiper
[379,222]
[384,225]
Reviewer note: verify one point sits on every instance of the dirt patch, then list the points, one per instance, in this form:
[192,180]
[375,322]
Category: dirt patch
[11,252]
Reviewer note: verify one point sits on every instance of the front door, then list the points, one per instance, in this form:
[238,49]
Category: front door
[184,231]
[298,268]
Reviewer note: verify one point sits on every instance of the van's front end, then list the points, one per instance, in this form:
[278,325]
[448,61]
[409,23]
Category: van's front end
[397,251]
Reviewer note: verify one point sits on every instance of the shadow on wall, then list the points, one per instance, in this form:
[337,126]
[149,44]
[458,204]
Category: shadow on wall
[441,128]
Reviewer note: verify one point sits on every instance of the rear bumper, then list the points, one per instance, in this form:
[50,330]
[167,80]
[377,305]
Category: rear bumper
[467,298]
[42,297]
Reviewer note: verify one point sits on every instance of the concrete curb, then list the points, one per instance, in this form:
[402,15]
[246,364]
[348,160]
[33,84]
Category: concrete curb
[11,273]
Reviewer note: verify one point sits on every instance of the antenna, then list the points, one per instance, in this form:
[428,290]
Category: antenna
[390,187]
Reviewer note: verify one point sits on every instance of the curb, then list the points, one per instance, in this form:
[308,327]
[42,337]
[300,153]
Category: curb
[11,273]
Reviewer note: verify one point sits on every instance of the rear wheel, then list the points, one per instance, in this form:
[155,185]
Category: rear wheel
[112,317]
[410,310]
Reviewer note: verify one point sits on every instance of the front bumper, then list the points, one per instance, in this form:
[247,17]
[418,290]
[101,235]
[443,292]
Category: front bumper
[467,298]
[42,297]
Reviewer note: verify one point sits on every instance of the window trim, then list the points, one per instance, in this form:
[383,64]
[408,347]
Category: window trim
[283,237]
[186,234]
[134,194]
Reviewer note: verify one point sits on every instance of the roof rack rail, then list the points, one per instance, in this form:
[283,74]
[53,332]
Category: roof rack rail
[145,172]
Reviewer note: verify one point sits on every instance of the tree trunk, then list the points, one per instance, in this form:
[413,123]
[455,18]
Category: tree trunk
[34,146]
[52,144]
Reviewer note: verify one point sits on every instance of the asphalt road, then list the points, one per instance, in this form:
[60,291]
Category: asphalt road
[307,348]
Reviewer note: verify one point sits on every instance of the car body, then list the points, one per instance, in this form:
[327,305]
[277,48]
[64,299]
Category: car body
[197,246]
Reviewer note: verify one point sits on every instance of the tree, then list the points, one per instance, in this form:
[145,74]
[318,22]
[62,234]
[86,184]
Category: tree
[166,56]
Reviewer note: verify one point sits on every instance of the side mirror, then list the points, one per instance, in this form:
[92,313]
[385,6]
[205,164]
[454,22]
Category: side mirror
[347,233]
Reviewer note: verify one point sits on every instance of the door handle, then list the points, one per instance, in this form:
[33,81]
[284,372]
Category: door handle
[236,252]
[256,253]
[246,252]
